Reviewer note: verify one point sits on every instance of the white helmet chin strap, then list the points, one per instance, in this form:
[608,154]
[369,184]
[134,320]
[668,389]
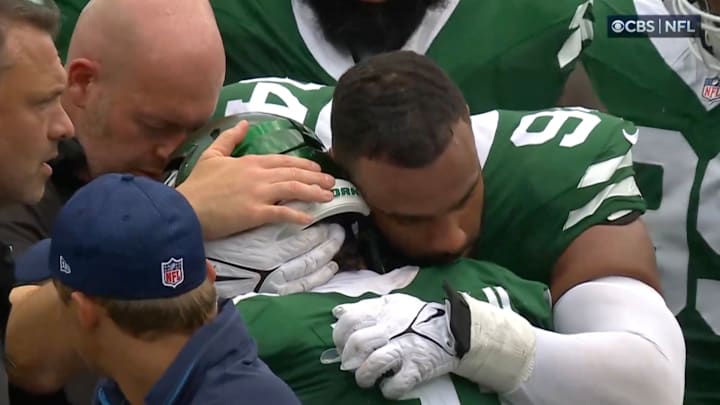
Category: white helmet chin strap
[710,24]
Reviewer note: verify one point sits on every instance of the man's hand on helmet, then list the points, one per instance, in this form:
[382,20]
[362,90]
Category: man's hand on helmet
[262,260]
[267,183]
[232,194]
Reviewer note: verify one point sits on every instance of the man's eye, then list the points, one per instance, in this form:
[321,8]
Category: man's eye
[154,128]
[47,102]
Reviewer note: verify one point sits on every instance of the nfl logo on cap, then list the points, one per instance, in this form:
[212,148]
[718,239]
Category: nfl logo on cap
[711,89]
[172,272]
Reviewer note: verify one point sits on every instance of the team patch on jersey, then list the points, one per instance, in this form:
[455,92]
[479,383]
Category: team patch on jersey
[172,272]
[711,89]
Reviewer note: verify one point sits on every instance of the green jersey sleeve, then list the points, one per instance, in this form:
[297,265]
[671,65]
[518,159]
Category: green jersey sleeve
[261,39]
[294,332]
[534,47]
[659,84]
[528,47]
[549,176]
[307,103]
[69,13]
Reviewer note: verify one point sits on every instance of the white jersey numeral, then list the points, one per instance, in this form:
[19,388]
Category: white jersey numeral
[669,223]
[599,172]
[274,96]
[291,107]
[523,136]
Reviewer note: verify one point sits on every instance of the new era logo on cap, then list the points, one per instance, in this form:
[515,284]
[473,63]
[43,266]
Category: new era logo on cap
[172,272]
[64,267]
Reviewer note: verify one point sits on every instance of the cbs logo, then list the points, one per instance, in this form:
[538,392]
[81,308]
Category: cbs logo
[620,26]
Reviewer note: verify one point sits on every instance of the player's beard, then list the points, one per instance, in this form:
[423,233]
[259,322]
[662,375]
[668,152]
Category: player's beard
[370,28]
[442,258]
[437,259]
[427,260]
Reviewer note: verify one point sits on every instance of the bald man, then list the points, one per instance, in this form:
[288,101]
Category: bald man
[142,75]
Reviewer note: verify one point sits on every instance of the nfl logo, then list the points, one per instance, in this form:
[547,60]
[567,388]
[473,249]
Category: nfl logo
[711,89]
[172,272]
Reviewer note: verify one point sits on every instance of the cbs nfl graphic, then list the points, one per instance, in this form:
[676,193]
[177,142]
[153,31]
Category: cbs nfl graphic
[667,26]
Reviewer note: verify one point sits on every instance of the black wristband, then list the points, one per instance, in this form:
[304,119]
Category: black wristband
[460,320]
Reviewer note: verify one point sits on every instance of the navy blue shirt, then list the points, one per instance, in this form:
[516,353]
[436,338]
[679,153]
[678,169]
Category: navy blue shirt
[218,365]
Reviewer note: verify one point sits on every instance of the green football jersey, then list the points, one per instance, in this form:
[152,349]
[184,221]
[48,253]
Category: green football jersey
[294,332]
[69,13]
[519,63]
[672,97]
[549,175]
[307,103]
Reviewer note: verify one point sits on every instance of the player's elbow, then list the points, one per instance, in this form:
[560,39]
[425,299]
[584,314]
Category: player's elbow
[660,378]
[629,338]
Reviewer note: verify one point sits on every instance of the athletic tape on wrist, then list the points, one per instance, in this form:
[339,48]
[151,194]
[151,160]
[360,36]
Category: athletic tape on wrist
[502,347]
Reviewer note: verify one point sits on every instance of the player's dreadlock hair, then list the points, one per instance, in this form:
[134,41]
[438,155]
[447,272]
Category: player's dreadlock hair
[399,107]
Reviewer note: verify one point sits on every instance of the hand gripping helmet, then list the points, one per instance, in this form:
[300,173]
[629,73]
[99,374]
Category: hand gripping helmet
[272,134]
[706,47]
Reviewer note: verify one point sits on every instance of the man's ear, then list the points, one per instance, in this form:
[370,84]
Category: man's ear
[82,76]
[211,274]
[88,311]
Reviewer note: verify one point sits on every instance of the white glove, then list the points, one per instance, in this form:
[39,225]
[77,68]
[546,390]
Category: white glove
[265,261]
[412,339]
[396,334]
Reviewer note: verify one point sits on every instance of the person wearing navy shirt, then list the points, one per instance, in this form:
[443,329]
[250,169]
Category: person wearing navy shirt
[127,259]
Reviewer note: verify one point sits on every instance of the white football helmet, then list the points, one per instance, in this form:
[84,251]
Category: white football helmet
[266,258]
[276,258]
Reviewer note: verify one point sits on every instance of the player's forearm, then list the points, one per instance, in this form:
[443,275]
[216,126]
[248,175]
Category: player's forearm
[615,343]
[38,345]
[579,92]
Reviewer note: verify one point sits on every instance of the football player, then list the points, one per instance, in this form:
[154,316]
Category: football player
[296,337]
[556,202]
[520,64]
[300,346]
[295,331]
[503,54]
[670,87]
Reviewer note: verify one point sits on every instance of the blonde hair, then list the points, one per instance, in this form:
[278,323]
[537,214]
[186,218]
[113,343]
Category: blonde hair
[152,318]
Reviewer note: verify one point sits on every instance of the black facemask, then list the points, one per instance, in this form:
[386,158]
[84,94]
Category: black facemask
[367,28]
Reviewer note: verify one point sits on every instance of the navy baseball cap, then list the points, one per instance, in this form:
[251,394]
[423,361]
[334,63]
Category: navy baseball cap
[31,267]
[126,237]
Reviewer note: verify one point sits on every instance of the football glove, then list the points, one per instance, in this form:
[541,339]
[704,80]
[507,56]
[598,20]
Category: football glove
[258,261]
[400,342]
